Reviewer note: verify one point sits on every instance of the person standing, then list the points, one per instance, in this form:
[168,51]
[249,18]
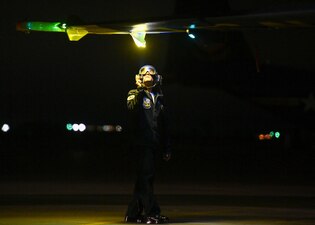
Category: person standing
[150,134]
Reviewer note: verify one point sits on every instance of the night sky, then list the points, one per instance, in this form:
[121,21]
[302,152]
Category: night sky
[216,96]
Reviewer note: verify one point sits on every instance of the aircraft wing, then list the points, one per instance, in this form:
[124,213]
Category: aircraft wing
[271,20]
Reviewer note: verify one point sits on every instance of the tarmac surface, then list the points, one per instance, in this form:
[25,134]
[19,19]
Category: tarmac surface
[102,203]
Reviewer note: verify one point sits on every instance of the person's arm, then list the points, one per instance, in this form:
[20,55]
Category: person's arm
[133,99]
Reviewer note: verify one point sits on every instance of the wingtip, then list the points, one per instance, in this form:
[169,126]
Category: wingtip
[20,26]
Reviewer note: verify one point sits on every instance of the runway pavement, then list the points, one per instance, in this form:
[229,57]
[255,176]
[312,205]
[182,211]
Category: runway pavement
[216,204]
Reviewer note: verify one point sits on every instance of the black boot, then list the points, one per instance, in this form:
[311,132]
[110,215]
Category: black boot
[156,219]
[139,219]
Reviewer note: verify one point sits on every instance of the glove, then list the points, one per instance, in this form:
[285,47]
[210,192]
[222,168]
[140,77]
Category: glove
[139,81]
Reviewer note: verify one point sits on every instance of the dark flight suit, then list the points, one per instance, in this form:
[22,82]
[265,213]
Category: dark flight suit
[149,134]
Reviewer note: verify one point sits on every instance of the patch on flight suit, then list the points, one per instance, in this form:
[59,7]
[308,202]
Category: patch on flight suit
[130,97]
[146,103]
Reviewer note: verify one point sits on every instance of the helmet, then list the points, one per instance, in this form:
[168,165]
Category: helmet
[152,71]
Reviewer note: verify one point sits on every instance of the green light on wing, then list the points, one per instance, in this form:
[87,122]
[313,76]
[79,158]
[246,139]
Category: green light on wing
[46,26]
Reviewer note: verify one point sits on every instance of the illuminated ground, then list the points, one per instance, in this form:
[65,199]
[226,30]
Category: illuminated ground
[194,214]
[220,205]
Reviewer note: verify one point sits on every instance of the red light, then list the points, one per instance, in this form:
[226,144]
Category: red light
[261,137]
[267,137]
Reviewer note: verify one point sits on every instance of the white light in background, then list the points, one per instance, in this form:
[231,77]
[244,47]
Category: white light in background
[118,128]
[108,128]
[75,127]
[5,127]
[82,127]
[100,128]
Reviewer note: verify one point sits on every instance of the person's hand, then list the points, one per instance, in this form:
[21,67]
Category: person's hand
[138,81]
[167,156]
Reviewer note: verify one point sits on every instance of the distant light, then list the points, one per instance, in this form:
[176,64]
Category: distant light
[75,127]
[271,133]
[5,127]
[69,126]
[191,36]
[108,128]
[82,127]
[269,136]
[192,26]
[261,137]
[118,128]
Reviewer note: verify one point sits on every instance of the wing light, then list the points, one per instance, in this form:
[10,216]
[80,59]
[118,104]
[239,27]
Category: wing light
[42,26]
[76,33]
[139,39]
[192,26]
[138,33]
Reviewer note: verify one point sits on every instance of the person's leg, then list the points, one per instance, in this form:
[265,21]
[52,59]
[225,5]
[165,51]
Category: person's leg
[143,197]
[135,207]
[147,177]
[134,210]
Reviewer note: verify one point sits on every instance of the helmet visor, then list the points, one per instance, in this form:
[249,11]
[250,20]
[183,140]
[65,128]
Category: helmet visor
[147,69]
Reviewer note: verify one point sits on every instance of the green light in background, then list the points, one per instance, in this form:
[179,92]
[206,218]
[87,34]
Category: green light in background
[277,134]
[69,126]
[271,133]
